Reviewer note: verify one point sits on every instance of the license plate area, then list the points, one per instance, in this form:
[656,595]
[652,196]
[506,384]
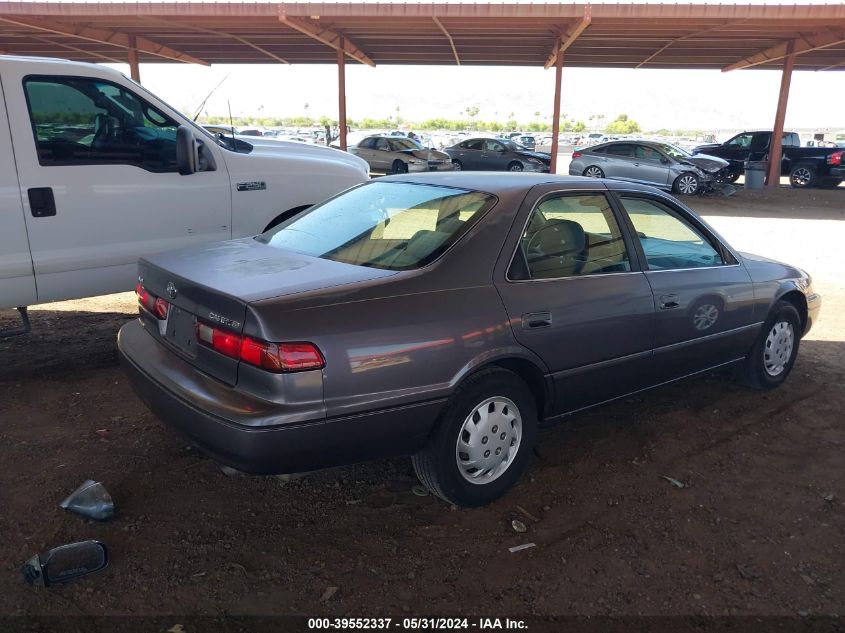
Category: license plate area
[180,331]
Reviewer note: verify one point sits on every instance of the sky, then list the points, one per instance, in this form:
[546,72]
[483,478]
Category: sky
[673,99]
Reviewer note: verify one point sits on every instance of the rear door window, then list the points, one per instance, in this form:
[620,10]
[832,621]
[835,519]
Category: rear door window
[622,149]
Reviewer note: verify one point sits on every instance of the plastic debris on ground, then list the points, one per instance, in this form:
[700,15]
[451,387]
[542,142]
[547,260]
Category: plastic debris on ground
[91,500]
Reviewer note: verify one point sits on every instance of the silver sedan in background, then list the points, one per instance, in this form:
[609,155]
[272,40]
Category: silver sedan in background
[399,155]
[660,164]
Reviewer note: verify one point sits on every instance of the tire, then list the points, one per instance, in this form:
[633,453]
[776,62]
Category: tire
[731,177]
[770,361]
[456,164]
[593,172]
[444,469]
[515,166]
[802,177]
[399,167]
[687,184]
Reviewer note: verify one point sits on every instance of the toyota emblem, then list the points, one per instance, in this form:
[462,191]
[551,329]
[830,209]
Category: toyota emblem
[171,290]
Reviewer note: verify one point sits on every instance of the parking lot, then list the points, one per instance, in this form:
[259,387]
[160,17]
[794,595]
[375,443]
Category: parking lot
[756,529]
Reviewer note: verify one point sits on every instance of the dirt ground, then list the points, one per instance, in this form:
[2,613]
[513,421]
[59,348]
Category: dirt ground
[757,529]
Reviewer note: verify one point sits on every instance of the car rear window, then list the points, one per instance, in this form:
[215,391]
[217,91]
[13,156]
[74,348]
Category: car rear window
[389,225]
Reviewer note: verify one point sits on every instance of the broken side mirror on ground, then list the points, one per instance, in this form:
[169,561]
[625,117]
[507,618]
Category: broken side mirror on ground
[66,563]
[90,500]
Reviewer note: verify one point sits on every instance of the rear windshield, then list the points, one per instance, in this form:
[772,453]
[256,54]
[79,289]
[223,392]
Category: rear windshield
[390,225]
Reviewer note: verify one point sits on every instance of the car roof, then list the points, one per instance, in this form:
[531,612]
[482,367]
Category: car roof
[495,181]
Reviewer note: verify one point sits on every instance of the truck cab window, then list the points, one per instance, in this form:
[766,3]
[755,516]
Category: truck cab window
[86,121]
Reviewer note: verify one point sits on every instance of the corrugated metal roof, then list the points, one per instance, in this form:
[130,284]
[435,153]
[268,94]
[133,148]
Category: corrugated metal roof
[523,34]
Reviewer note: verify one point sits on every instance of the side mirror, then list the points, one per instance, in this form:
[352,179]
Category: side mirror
[187,152]
[66,563]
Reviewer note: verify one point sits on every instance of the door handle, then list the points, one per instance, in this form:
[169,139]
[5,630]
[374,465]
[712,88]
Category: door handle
[42,204]
[534,320]
[667,302]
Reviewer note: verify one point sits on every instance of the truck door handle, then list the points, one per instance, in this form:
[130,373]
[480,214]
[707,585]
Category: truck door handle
[42,204]
[534,320]
[667,302]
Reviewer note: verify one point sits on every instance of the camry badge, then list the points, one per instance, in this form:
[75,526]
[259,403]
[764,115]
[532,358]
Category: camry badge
[171,290]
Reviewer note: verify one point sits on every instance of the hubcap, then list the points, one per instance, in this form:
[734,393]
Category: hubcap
[705,316]
[687,185]
[778,348]
[457,166]
[593,172]
[489,440]
[516,167]
[801,177]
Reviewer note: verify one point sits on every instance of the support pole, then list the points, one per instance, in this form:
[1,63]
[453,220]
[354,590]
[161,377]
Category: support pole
[556,112]
[132,53]
[341,94]
[775,149]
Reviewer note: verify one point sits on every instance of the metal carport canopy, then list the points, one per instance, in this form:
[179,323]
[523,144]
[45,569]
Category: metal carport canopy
[680,36]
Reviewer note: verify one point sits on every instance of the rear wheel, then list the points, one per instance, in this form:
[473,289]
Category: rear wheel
[688,184]
[773,355]
[456,164]
[483,440]
[594,172]
[399,167]
[515,166]
[802,177]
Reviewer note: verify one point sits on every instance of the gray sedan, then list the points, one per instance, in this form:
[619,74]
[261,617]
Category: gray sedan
[659,164]
[399,155]
[448,316]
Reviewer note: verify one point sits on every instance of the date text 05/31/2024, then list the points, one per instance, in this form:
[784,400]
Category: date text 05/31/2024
[416,624]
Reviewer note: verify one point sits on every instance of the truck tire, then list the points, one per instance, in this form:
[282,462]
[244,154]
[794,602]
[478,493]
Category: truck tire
[802,177]
[482,441]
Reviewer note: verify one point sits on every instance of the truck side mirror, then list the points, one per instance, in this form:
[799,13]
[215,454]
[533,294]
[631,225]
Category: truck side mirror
[187,152]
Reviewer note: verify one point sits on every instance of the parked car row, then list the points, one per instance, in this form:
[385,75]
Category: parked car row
[397,155]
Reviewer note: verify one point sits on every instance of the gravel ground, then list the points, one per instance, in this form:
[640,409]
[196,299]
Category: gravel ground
[757,529]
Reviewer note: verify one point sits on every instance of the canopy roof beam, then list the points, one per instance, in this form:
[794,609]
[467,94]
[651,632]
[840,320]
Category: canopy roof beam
[102,36]
[71,47]
[685,37]
[326,36]
[801,44]
[567,39]
[448,37]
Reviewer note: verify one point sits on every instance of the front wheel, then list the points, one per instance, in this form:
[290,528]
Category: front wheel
[802,177]
[687,184]
[482,441]
[515,166]
[399,167]
[773,355]
[457,166]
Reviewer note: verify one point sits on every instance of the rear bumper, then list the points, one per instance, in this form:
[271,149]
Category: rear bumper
[837,172]
[254,435]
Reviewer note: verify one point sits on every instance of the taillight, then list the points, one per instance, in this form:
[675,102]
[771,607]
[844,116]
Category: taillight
[151,303]
[275,357]
[835,158]
[576,154]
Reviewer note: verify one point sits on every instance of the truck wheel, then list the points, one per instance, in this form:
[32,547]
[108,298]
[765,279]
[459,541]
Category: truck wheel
[802,177]
[593,172]
[687,184]
[773,355]
[399,167]
[482,441]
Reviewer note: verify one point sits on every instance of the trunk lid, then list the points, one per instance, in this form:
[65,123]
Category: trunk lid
[214,283]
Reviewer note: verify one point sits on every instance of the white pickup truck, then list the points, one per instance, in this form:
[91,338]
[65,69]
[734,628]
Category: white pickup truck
[95,171]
